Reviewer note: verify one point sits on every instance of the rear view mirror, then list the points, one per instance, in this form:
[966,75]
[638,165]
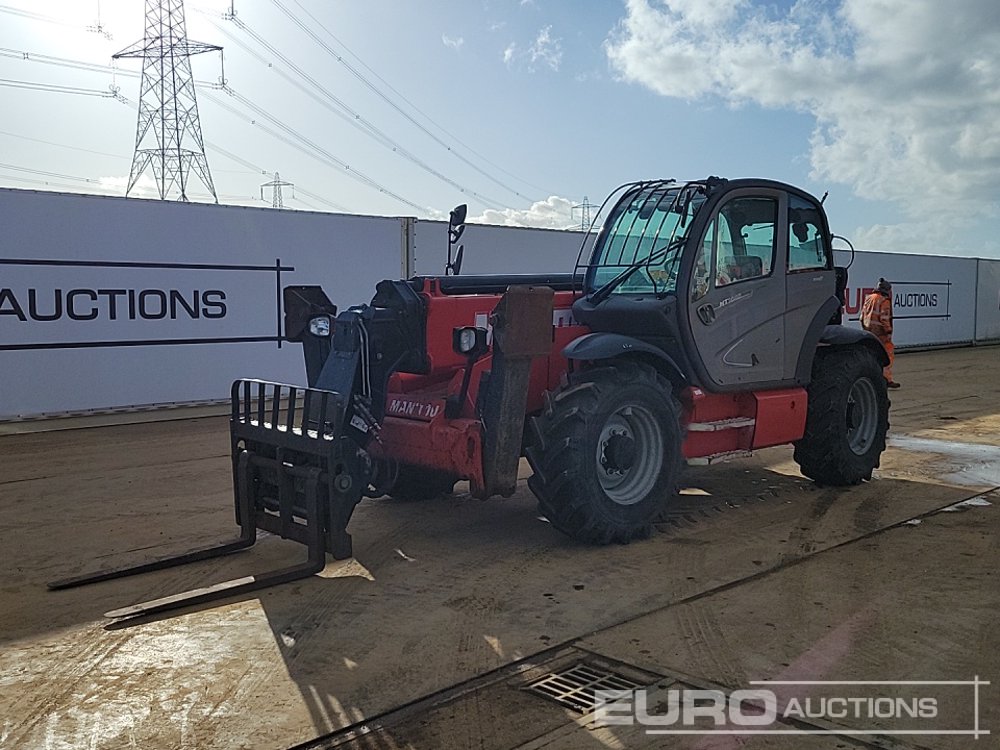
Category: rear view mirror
[456,226]
[456,222]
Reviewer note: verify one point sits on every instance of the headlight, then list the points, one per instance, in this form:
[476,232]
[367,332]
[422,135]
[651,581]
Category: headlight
[469,340]
[466,340]
[320,325]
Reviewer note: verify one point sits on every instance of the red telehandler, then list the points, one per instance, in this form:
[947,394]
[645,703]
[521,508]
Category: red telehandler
[702,322]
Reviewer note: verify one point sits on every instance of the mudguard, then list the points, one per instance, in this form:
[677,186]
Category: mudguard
[837,336]
[594,347]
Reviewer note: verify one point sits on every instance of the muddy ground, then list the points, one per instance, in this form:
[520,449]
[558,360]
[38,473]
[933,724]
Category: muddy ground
[429,636]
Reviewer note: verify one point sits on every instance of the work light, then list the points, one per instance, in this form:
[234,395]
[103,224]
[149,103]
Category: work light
[469,341]
[320,325]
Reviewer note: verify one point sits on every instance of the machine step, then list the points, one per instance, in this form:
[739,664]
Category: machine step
[716,458]
[722,424]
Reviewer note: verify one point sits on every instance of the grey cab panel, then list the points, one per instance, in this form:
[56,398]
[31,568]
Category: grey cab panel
[763,270]
[737,292]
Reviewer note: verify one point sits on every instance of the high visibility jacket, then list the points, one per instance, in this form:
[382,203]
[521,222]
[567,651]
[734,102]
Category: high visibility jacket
[876,314]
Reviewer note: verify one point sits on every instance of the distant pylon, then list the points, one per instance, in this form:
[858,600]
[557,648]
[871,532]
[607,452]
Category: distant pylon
[168,137]
[585,212]
[276,184]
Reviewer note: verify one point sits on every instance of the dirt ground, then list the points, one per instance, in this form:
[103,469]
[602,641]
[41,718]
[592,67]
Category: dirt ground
[450,608]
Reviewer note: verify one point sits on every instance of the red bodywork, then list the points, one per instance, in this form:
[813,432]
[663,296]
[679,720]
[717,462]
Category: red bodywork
[416,430]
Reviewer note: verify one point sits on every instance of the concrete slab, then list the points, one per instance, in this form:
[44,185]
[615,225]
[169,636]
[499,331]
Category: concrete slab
[916,602]
[438,593]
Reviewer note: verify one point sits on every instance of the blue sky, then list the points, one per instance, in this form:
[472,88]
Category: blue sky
[892,106]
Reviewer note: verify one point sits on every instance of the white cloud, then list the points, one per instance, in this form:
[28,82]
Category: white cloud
[145,186]
[552,213]
[545,51]
[905,93]
[509,54]
[453,42]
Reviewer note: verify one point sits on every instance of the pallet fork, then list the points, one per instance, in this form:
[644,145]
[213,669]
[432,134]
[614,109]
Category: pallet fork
[292,476]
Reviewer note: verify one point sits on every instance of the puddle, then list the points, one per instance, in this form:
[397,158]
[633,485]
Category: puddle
[970,463]
[973,502]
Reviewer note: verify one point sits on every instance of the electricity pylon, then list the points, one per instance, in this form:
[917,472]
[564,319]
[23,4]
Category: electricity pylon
[168,137]
[276,184]
[584,212]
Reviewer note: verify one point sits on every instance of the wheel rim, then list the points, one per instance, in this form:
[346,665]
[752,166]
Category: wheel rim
[862,416]
[629,454]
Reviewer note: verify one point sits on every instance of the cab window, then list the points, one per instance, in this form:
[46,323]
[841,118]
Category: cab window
[701,279]
[806,246]
[746,240]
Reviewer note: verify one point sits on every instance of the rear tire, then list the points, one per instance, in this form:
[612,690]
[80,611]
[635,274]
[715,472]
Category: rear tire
[607,453]
[847,418]
[415,483]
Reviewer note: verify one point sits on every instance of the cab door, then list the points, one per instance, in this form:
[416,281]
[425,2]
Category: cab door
[737,291]
[811,280]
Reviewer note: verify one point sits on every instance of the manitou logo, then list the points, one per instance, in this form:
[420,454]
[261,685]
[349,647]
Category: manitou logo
[403,407]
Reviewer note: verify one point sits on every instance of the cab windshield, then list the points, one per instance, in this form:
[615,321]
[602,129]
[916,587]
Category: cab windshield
[643,237]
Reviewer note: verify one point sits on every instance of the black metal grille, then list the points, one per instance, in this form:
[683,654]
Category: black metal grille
[304,412]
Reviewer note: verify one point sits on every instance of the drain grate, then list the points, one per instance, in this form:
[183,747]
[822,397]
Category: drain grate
[574,686]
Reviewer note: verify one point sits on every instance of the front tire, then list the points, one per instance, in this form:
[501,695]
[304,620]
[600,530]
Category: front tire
[607,453]
[847,418]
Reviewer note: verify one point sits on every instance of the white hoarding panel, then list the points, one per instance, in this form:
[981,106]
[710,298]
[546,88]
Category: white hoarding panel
[934,297]
[109,302]
[496,249]
[988,301]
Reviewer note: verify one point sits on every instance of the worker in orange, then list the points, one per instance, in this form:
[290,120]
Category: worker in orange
[876,317]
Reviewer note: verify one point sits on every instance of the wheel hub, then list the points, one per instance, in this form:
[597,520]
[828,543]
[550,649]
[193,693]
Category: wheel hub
[630,454]
[852,415]
[619,452]
[862,416]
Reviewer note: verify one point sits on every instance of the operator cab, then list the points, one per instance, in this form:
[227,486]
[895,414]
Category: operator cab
[733,280]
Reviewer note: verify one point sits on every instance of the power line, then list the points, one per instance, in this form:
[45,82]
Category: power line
[98,27]
[234,157]
[344,111]
[56,88]
[60,145]
[96,184]
[28,170]
[250,165]
[49,183]
[64,62]
[307,204]
[302,143]
[305,145]
[388,100]
[37,17]
[331,204]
